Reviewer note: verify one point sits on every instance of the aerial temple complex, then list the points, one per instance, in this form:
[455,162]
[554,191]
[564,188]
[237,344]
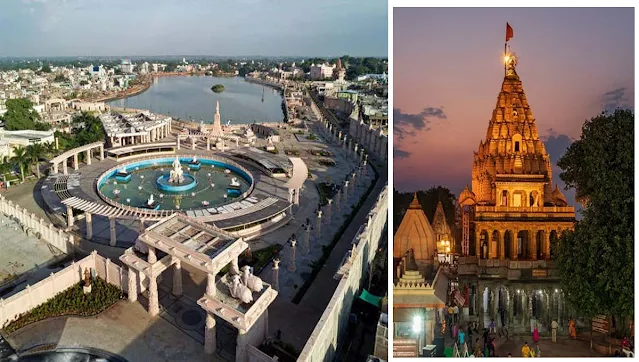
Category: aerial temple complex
[511,215]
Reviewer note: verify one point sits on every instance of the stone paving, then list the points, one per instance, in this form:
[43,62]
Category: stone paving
[125,330]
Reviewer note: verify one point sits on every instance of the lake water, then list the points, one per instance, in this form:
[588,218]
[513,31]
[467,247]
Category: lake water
[191,98]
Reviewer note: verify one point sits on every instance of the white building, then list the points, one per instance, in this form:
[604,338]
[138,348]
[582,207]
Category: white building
[322,71]
[130,129]
[126,66]
[12,139]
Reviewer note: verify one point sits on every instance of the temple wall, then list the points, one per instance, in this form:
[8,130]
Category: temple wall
[39,293]
[332,326]
[36,226]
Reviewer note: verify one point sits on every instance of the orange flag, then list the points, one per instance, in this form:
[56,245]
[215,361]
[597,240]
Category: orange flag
[509,32]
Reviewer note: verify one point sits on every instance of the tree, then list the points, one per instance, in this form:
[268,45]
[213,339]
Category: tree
[34,153]
[596,260]
[19,159]
[5,165]
[60,79]
[46,68]
[20,115]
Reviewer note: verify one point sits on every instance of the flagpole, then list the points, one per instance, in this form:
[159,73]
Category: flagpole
[505,58]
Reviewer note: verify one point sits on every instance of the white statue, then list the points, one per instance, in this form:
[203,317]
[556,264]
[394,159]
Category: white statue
[269,140]
[151,201]
[239,290]
[251,281]
[194,160]
[176,175]
[122,170]
[234,182]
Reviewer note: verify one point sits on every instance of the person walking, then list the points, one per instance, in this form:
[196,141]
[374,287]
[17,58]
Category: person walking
[492,326]
[554,325]
[525,350]
[456,313]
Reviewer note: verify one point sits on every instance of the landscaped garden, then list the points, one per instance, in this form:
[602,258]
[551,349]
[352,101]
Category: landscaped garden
[327,162]
[326,191]
[71,302]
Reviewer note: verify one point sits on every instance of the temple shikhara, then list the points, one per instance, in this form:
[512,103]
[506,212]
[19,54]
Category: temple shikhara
[511,214]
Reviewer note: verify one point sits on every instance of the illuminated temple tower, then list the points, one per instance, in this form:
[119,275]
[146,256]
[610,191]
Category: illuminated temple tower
[510,215]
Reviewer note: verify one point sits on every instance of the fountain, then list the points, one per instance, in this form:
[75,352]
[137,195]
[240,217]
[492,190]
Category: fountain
[122,175]
[176,180]
[152,204]
[234,188]
[194,164]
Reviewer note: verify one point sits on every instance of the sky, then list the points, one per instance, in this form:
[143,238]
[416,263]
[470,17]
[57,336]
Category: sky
[448,69]
[193,27]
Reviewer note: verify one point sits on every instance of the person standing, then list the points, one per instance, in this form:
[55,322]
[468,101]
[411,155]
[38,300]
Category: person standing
[573,329]
[554,325]
[462,336]
[536,332]
[525,350]
[492,326]
[537,350]
[456,313]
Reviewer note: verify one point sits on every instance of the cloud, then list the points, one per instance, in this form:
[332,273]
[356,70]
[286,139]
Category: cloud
[406,124]
[399,154]
[615,99]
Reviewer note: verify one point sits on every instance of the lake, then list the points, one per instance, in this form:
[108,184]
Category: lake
[191,98]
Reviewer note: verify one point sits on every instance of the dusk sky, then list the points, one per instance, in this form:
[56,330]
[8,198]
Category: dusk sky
[193,27]
[448,70]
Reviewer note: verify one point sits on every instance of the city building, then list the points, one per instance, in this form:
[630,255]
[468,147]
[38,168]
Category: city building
[9,140]
[126,66]
[129,129]
[322,71]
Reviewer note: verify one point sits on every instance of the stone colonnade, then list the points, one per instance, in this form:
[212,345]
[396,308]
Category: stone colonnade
[63,158]
[517,300]
[154,134]
[502,243]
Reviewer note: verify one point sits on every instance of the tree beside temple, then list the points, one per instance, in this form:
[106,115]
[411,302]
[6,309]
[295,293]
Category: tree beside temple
[596,260]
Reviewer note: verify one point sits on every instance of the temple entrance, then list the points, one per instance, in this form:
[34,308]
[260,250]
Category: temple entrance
[523,245]
[508,244]
[540,247]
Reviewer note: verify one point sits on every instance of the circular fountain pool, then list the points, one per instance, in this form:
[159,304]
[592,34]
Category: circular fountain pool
[148,184]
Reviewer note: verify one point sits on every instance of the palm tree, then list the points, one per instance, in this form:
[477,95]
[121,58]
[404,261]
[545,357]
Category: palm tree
[34,154]
[19,159]
[5,166]
[50,148]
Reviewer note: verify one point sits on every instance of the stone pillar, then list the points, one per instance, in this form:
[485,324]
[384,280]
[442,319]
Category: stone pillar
[514,246]
[208,144]
[291,266]
[510,306]
[533,246]
[547,246]
[177,279]
[101,152]
[178,142]
[319,223]
[113,240]
[55,168]
[65,167]
[329,206]
[307,238]
[502,245]
[154,304]
[89,224]
[88,157]
[69,217]
[345,190]
[209,334]
[211,290]
[477,242]
[75,161]
[337,203]
[152,256]
[297,196]
[192,143]
[242,342]
[480,312]
[429,326]
[133,287]
[276,274]
[290,195]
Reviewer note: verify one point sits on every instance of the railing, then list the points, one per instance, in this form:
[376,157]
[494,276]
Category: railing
[525,209]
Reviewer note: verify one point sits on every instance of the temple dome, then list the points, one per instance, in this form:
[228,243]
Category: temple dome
[416,233]
[558,198]
[467,197]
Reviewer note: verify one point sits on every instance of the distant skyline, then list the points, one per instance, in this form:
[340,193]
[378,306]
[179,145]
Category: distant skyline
[276,28]
[448,68]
